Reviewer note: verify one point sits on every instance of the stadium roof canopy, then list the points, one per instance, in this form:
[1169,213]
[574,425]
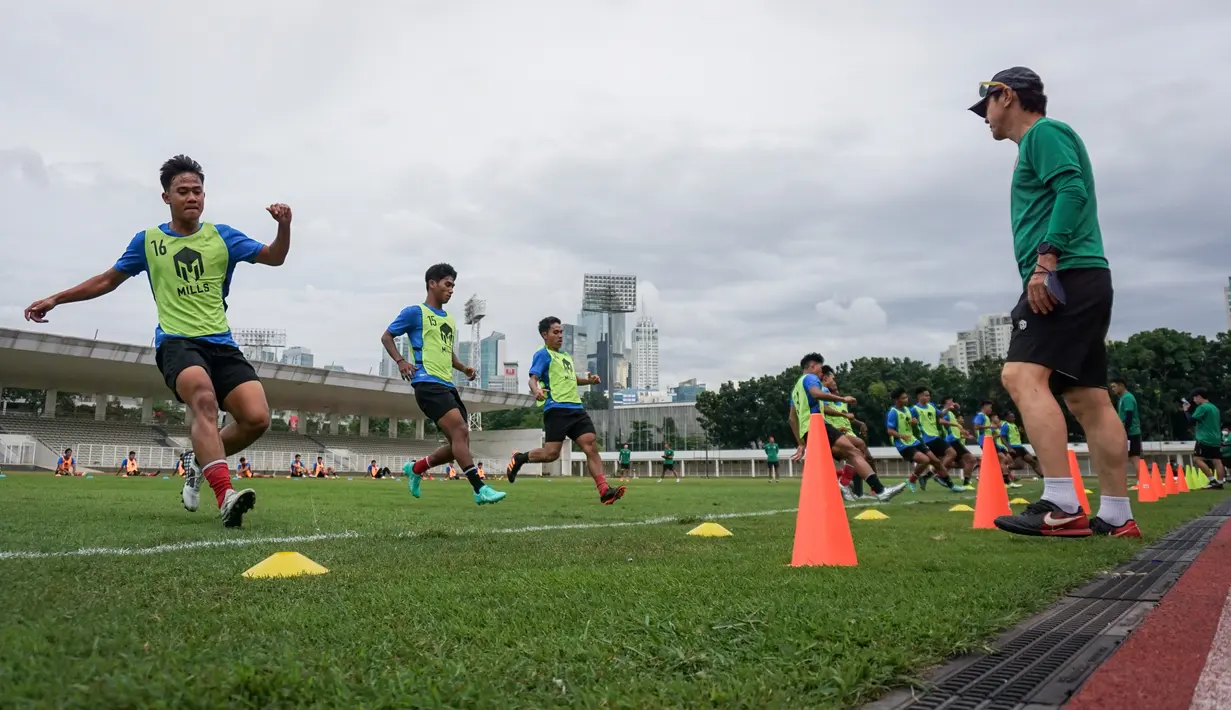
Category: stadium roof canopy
[80,365]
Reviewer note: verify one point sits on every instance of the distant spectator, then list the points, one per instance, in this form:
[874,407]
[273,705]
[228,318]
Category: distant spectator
[297,467]
[129,467]
[318,469]
[245,468]
[66,465]
[376,471]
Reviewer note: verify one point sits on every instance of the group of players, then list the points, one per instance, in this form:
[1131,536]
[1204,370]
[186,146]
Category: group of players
[932,438]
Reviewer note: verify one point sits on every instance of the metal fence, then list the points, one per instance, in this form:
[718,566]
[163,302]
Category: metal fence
[17,454]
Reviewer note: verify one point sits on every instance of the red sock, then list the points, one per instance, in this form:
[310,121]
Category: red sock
[219,477]
[420,466]
[600,482]
[913,478]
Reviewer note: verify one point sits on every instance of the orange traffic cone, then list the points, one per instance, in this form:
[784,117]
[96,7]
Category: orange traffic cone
[1075,472]
[822,532]
[1145,489]
[1156,482]
[1181,480]
[991,497]
[1169,481]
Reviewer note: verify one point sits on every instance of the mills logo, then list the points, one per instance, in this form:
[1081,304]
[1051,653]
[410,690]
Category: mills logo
[190,266]
[446,337]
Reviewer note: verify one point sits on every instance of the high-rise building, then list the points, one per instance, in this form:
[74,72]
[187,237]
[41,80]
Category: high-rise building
[389,368]
[575,341]
[297,355]
[989,339]
[507,382]
[685,391]
[644,358]
[463,355]
[1226,292]
[491,353]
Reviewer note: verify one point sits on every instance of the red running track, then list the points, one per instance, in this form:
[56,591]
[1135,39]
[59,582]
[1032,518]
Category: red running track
[1180,658]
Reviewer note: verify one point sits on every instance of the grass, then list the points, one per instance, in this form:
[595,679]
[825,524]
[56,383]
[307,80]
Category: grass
[438,603]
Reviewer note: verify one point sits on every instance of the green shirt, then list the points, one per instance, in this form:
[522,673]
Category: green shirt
[1226,446]
[1209,426]
[1128,405]
[1052,199]
[771,452]
[669,456]
[626,456]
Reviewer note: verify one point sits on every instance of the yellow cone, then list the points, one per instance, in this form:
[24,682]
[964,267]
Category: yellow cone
[284,564]
[1089,492]
[1019,501]
[871,515]
[961,508]
[710,530]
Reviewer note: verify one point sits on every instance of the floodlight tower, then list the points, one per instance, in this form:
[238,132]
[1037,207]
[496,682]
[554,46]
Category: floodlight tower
[609,294]
[476,309]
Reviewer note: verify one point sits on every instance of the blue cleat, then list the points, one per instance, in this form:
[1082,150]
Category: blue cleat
[415,480]
[488,495]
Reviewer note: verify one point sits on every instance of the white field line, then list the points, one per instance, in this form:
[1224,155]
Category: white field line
[249,541]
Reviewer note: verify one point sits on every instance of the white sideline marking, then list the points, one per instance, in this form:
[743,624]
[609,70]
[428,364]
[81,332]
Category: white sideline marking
[248,541]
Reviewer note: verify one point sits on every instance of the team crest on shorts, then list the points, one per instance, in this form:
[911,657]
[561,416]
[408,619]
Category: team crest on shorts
[1021,324]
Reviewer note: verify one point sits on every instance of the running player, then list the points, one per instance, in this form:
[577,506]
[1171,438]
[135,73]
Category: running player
[189,264]
[806,400]
[955,437]
[900,424]
[432,332]
[553,382]
[838,415]
[928,417]
[1011,435]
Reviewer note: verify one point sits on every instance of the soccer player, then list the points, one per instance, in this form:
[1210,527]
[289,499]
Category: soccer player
[130,466]
[297,467]
[900,424]
[66,465]
[1012,437]
[190,264]
[432,332]
[626,461]
[1130,416]
[987,424]
[668,462]
[771,459]
[1059,344]
[806,398]
[927,416]
[245,468]
[553,383]
[1226,445]
[1208,453]
[839,415]
[955,437]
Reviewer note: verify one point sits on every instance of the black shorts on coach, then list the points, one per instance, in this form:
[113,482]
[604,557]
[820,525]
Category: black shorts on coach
[566,423]
[225,364]
[436,400]
[1207,452]
[1072,339]
[1134,445]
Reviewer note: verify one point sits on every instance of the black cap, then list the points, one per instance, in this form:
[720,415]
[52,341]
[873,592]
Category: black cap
[1016,78]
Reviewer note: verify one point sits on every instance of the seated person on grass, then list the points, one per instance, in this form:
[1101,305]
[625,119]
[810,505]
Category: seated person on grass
[66,465]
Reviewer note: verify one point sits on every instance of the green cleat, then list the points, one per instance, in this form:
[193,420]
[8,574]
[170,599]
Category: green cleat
[415,480]
[488,495]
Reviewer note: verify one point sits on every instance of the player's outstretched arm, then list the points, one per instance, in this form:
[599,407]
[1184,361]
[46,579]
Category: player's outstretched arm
[275,254]
[89,289]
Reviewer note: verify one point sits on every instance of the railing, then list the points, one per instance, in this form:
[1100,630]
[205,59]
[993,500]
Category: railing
[17,454]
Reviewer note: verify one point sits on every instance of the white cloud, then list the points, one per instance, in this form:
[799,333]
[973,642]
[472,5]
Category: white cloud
[861,314]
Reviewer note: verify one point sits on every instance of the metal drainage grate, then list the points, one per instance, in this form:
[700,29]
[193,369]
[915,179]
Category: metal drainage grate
[1223,508]
[1140,580]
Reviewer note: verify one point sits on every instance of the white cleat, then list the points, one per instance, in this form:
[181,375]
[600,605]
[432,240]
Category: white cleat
[234,505]
[1015,485]
[891,492]
[847,494]
[191,495]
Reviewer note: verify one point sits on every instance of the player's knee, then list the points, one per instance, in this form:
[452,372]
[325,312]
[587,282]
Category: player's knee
[203,403]
[1018,377]
[255,422]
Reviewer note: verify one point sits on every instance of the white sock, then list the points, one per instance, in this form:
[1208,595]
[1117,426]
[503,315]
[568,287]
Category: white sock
[1061,493]
[1114,511]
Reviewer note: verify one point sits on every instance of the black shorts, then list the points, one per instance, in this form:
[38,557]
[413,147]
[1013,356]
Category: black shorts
[566,423]
[773,465]
[1018,452]
[909,452]
[1134,444]
[669,466]
[832,432]
[938,447]
[959,447]
[1207,452]
[225,364]
[625,466]
[436,400]
[1071,340]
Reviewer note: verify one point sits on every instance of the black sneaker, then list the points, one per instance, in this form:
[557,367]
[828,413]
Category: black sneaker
[1098,526]
[511,469]
[611,495]
[1044,518]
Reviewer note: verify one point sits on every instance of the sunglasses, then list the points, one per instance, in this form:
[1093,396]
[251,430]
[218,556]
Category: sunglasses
[987,88]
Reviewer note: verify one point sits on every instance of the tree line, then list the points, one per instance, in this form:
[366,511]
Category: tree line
[1161,366]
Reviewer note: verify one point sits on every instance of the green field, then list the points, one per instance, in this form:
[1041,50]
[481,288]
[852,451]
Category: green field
[438,602]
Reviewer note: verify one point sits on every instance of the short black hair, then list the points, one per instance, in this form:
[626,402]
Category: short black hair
[132,453]
[546,324]
[811,357]
[1119,381]
[242,459]
[179,165]
[1200,392]
[1032,101]
[984,403]
[920,390]
[897,392]
[319,458]
[826,370]
[947,399]
[439,272]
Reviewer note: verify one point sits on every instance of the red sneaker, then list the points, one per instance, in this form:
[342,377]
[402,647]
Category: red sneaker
[1044,518]
[1101,527]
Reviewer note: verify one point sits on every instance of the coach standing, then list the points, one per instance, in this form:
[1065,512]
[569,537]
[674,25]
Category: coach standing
[1060,323]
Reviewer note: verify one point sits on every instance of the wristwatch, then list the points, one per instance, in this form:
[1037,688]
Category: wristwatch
[1047,248]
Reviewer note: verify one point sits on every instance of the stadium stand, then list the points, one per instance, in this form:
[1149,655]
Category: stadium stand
[59,434]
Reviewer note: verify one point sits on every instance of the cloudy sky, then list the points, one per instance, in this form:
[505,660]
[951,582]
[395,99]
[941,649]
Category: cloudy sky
[781,175]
